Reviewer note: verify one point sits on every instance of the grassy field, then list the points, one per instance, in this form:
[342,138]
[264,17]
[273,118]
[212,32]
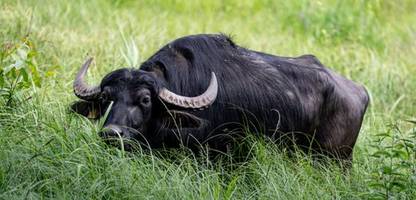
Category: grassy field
[47,152]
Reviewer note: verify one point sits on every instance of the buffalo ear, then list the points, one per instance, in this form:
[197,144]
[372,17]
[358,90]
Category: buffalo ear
[175,119]
[91,110]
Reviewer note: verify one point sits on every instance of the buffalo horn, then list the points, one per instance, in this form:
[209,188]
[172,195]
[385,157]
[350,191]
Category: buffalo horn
[201,101]
[81,88]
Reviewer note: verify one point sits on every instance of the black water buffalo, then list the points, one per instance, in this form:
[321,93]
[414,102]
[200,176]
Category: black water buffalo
[206,90]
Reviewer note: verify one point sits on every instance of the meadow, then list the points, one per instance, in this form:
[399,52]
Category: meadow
[47,152]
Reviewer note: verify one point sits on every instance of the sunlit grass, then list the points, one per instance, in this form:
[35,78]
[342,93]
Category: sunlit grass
[46,152]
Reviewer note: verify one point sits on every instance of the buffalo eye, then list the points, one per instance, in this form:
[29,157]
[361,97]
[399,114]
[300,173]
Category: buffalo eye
[105,96]
[145,101]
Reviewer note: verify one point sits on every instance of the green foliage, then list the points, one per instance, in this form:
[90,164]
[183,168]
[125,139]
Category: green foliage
[18,68]
[396,155]
[48,153]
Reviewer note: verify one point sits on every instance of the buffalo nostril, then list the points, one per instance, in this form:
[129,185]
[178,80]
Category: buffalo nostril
[111,131]
[109,134]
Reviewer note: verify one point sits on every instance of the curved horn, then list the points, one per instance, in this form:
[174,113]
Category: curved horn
[82,89]
[203,100]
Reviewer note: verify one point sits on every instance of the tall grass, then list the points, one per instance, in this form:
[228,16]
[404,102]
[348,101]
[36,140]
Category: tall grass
[47,152]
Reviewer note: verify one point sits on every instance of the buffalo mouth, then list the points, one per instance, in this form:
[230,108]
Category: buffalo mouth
[120,137]
[123,143]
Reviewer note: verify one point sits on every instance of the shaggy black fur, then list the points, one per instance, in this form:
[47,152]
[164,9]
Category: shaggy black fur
[263,93]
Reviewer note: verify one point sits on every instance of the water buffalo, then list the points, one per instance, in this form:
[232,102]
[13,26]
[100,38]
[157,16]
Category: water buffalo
[205,90]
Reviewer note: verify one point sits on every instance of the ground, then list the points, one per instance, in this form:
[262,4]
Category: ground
[47,152]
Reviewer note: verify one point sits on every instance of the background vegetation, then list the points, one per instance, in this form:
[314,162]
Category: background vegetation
[46,152]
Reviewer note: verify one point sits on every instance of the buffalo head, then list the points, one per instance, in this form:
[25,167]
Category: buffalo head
[133,100]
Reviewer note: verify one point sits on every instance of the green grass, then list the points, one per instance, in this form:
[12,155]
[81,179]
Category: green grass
[46,152]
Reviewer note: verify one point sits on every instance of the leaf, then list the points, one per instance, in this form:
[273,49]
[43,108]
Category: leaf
[399,146]
[376,185]
[399,185]
[381,153]
[405,165]
[377,196]
[24,74]
[395,173]
[413,121]
[31,54]
[399,154]
[409,145]
[386,170]
[383,135]
[35,74]
[9,68]
[2,82]
[231,188]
